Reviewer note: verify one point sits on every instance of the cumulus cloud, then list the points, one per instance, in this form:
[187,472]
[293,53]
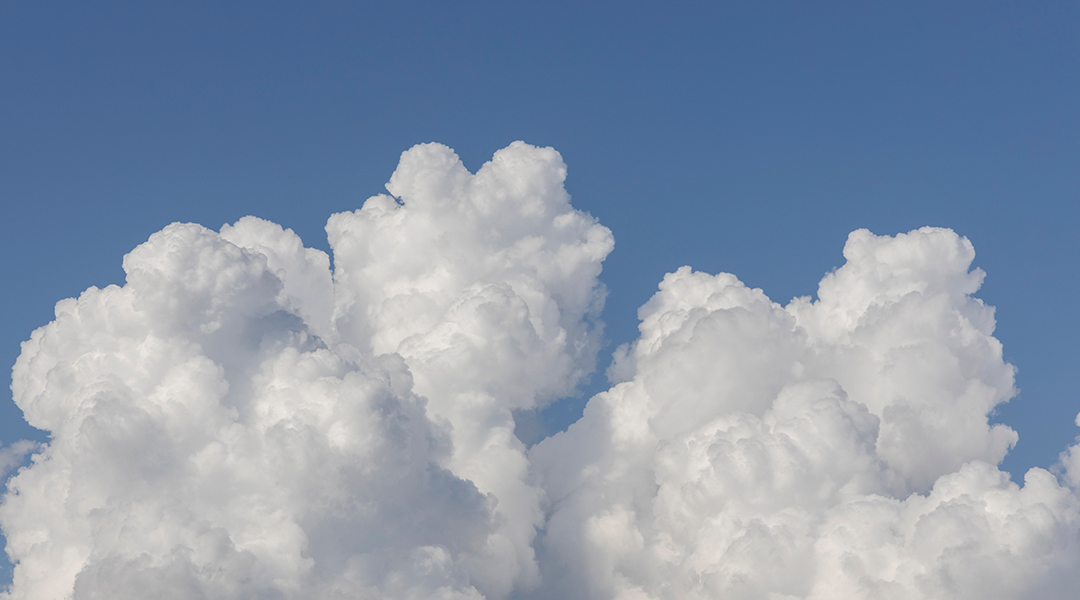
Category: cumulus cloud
[204,443]
[238,420]
[241,420]
[837,448]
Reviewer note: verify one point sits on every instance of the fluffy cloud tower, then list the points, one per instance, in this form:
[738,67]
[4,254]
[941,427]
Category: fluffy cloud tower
[240,421]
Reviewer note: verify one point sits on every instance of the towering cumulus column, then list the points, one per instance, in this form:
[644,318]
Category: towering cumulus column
[487,285]
[236,421]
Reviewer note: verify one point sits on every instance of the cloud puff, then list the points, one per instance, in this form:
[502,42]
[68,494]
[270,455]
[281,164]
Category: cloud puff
[487,286]
[837,448]
[241,420]
[204,443]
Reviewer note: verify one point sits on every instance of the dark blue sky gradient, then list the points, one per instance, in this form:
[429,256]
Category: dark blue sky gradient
[741,137]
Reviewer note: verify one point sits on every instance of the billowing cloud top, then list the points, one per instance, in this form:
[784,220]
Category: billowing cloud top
[240,421]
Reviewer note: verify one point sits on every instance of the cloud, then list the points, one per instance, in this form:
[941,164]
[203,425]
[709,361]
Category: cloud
[837,448]
[241,420]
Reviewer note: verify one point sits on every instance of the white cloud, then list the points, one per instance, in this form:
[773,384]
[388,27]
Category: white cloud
[205,444]
[487,285]
[838,448]
[238,420]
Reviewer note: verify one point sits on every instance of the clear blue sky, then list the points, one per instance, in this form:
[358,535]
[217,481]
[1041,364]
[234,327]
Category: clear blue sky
[740,137]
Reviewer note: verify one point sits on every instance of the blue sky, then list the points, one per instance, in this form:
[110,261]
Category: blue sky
[740,137]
